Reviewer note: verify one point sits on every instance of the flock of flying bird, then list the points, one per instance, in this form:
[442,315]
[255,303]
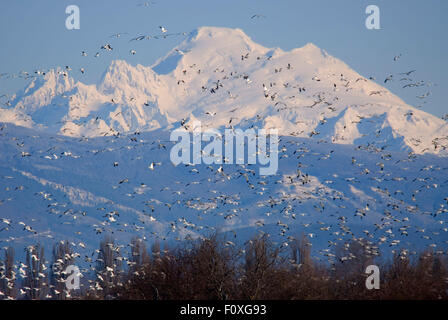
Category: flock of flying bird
[306,196]
[286,203]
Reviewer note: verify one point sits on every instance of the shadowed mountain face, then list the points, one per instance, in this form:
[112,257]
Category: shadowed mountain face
[354,160]
[77,189]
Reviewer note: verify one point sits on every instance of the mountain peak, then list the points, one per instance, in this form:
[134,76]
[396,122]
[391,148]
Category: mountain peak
[214,32]
[116,68]
[42,90]
[220,37]
[311,49]
[121,74]
[59,79]
[209,44]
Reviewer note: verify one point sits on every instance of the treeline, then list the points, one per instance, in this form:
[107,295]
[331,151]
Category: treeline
[214,268]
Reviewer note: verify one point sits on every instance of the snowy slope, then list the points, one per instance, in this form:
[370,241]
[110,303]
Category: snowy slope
[69,188]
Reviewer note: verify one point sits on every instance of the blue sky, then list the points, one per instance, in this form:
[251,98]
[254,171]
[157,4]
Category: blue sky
[33,35]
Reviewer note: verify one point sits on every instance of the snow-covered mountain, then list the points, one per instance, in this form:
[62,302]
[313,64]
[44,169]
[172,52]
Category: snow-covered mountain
[221,77]
[354,159]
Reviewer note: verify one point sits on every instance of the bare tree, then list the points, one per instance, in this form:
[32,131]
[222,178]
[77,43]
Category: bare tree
[109,265]
[260,260]
[62,257]
[139,255]
[36,282]
[8,275]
